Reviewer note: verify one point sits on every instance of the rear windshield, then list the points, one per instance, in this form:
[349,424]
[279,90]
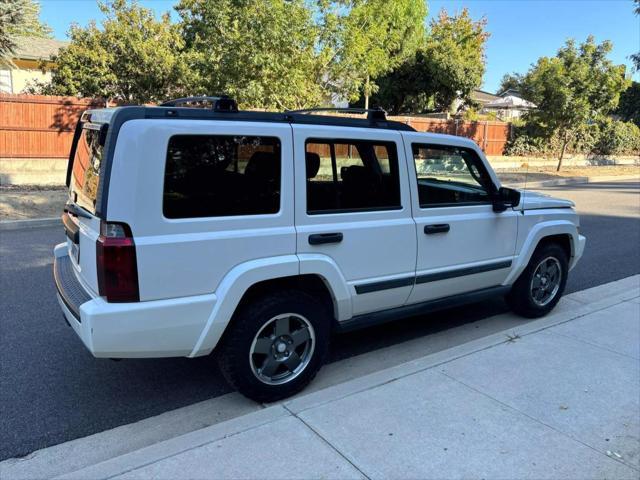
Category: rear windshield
[85,172]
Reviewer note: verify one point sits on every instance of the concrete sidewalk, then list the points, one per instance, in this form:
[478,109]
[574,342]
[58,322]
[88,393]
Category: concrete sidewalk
[555,398]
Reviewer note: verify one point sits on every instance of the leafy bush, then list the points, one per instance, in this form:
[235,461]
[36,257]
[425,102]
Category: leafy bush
[525,145]
[617,138]
[604,137]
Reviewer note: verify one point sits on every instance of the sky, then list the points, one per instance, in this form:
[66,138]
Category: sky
[521,30]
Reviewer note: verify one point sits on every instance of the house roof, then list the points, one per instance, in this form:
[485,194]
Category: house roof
[483,97]
[510,101]
[34,48]
[508,92]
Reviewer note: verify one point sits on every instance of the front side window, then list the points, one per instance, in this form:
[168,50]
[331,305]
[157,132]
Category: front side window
[221,175]
[450,176]
[351,175]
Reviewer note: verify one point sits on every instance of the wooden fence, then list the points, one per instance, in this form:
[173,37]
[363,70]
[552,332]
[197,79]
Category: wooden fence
[35,126]
[491,136]
[38,126]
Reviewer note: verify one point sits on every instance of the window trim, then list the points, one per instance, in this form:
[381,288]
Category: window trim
[331,141]
[220,217]
[479,163]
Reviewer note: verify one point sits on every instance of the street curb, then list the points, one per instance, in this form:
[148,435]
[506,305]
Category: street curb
[293,407]
[579,180]
[8,225]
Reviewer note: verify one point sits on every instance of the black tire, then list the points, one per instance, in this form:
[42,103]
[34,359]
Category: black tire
[520,298]
[233,353]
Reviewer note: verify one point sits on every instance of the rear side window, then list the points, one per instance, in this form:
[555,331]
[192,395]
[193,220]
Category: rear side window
[351,175]
[221,176]
[85,172]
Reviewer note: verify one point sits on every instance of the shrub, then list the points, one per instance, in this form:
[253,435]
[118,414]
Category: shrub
[603,137]
[617,138]
[524,145]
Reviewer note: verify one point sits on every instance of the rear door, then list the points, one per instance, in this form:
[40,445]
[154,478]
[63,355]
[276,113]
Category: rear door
[353,206]
[463,245]
[82,225]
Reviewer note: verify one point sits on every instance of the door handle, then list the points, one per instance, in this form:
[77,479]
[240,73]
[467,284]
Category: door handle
[439,228]
[321,238]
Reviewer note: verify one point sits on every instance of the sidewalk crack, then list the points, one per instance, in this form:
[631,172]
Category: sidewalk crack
[327,442]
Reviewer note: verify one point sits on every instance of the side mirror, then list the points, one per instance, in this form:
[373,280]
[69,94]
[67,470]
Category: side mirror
[505,198]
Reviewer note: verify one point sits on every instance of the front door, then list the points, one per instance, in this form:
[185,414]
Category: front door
[463,245]
[353,208]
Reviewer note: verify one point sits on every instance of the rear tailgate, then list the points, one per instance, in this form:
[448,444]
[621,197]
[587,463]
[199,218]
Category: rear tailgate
[80,220]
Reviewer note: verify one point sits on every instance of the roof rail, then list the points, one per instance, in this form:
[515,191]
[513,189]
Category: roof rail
[373,114]
[222,103]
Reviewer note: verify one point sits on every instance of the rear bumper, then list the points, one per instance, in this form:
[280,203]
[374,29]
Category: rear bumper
[159,328]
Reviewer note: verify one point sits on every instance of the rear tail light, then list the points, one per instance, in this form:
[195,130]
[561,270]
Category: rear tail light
[117,264]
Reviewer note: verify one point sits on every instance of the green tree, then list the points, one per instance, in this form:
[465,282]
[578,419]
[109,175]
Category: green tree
[573,88]
[455,49]
[19,18]
[376,36]
[132,58]
[629,106]
[260,52]
[510,80]
[448,66]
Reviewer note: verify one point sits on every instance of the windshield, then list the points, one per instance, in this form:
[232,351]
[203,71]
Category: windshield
[85,172]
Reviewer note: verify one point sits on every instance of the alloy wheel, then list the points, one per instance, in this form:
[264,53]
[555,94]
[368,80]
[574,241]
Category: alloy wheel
[282,349]
[546,280]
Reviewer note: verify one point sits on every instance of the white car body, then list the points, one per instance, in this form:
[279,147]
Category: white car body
[193,273]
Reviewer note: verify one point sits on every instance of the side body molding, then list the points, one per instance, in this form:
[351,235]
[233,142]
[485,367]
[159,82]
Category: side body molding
[537,233]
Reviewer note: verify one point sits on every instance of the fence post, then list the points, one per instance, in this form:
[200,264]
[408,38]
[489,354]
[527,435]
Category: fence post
[484,139]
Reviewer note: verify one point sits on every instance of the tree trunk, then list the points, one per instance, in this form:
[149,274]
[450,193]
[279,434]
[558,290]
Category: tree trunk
[366,93]
[565,141]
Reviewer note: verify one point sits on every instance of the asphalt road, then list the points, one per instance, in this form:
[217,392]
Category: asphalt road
[52,390]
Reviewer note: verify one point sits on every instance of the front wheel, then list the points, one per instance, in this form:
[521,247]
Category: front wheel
[275,345]
[541,284]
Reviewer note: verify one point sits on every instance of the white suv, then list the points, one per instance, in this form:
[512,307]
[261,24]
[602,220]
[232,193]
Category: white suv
[259,234]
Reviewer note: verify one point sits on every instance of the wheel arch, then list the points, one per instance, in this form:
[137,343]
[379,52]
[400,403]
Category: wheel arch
[257,277]
[565,240]
[563,232]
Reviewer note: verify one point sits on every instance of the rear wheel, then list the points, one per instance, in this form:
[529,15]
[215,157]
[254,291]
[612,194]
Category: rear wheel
[275,345]
[542,283]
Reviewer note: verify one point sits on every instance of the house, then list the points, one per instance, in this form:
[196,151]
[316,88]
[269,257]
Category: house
[505,106]
[30,56]
[508,105]
[482,98]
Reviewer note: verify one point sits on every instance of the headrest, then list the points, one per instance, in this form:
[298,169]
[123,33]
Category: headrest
[264,165]
[313,164]
[356,173]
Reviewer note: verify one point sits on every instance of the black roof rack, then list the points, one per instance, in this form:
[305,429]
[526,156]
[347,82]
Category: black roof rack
[226,108]
[373,114]
[221,103]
